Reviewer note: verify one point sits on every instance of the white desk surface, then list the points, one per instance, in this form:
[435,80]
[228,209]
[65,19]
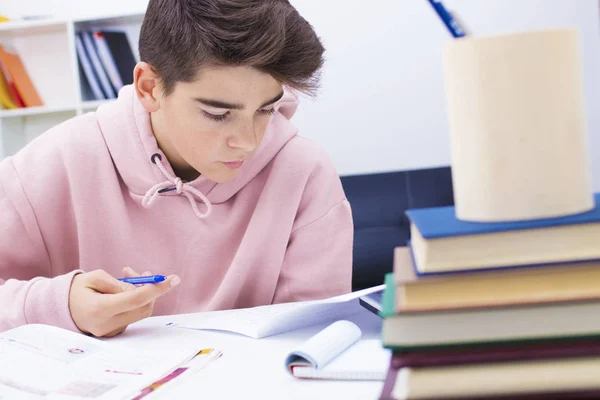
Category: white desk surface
[251,368]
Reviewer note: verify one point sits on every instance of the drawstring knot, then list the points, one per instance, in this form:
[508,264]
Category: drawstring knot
[174,183]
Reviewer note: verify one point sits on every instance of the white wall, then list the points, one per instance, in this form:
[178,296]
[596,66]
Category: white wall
[382,104]
[70,8]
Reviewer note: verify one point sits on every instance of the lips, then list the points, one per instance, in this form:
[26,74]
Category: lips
[233,164]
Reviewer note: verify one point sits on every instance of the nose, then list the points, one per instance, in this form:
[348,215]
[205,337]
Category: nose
[246,138]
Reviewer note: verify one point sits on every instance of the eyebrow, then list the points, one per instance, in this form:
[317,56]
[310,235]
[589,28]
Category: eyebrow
[235,106]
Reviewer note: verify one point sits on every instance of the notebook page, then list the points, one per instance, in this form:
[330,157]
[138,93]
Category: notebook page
[40,361]
[180,375]
[364,360]
[247,321]
[263,321]
[325,345]
[309,315]
[351,296]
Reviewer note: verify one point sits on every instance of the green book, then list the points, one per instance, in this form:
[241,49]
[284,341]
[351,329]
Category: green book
[388,300]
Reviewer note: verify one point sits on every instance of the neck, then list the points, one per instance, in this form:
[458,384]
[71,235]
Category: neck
[181,168]
[187,175]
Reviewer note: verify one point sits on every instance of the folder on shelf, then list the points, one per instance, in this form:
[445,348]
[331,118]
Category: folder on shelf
[92,52]
[20,78]
[7,99]
[122,54]
[108,61]
[89,80]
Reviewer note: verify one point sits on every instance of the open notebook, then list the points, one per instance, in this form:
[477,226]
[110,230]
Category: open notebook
[41,361]
[264,321]
[338,353]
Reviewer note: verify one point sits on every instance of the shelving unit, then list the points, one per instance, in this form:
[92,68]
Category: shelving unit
[29,111]
[47,49]
[92,104]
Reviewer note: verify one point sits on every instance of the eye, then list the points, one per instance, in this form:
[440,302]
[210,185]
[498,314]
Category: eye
[270,111]
[216,117]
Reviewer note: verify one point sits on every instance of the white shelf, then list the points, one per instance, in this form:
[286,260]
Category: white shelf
[29,111]
[93,104]
[132,18]
[47,48]
[32,111]
[33,26]
[49,24]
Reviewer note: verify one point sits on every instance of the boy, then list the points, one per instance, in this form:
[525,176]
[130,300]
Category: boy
[194,172]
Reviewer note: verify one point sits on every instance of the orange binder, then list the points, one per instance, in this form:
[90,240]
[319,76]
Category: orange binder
[24,86]
[6,95]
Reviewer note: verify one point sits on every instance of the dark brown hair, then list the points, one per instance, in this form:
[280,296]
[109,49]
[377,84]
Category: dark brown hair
[178,37]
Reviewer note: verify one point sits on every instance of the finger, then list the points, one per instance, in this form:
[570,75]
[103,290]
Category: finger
[141,296]
[119,322]
[129,272]
[116,332]
[146,273]
[101,281]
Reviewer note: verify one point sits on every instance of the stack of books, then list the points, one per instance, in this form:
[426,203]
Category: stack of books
[494,310]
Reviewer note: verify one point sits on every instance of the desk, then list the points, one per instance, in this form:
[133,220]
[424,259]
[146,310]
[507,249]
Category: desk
[252,368]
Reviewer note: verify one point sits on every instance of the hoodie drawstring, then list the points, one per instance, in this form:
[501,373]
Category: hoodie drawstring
[175,183]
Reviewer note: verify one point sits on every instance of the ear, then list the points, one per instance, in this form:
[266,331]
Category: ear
[147,86]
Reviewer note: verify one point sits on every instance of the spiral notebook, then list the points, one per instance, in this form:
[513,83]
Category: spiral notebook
[338,353]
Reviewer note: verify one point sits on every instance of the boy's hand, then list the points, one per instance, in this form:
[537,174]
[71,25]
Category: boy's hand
[103,306]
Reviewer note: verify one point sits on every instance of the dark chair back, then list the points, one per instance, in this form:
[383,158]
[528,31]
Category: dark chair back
[378,204]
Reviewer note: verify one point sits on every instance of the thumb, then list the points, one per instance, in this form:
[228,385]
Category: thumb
[102,282]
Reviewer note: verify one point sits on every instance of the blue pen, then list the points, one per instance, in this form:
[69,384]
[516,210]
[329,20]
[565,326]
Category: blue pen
[453,26]
[142,280]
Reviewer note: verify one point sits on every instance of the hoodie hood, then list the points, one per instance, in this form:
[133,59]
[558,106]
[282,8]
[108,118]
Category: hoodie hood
[126,128]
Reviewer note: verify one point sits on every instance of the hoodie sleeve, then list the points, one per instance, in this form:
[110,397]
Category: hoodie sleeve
[27,295]
[318,260]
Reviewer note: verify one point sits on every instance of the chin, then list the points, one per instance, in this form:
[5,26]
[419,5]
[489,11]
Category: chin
[223,177]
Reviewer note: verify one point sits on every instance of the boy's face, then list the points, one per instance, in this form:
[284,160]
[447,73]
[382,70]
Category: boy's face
[215,123]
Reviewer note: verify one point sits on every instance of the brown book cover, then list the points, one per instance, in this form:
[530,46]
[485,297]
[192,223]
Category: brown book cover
[569,395]
[501,288]
[491,354]
[390,382]
[21,79]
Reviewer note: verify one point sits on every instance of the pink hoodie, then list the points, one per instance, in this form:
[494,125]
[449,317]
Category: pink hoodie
[73,200]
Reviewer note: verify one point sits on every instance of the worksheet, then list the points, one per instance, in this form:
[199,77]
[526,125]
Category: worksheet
[41,361]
